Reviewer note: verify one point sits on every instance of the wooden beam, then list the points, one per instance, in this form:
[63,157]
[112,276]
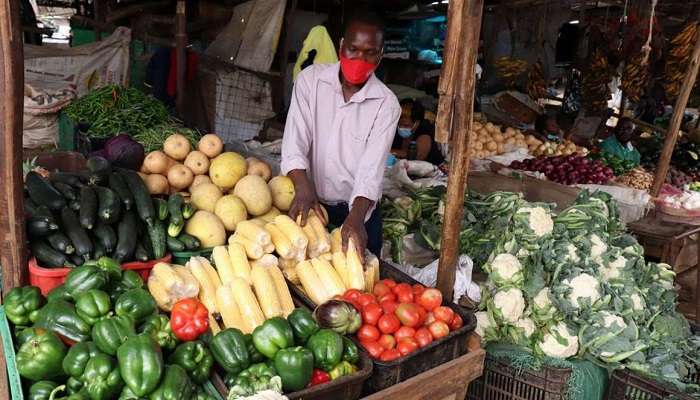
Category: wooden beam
[468,22]
[674,125]
[180,44]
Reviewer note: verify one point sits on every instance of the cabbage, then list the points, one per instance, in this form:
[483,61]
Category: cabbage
[123,151]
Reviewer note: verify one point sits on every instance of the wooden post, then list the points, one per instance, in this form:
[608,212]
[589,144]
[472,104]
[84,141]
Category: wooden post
[98,7]
[180,44]
[674,125]
[466,19]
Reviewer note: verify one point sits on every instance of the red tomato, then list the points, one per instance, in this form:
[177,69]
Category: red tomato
[368,333]
[404,332]
[389,306]
[387,341]
[404,295]
[352,294]
[407,346]
[373,348]
[388,323]
[423,314]
[430,299]
[388,296]
[380,289]
[439,329]
[444,314]
[402,287]
[423,337]
[390,355]
[408,314]
[366,298]
[389,282]
[456,323]
[418,289]
[371,313]
[429,319]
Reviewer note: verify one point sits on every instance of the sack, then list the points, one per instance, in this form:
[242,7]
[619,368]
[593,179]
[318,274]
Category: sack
[42,103]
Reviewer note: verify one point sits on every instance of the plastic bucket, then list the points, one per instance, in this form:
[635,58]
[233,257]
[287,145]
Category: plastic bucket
[144,268]
[181,257]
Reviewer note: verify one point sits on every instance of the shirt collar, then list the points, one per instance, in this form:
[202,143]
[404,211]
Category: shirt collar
[371,89]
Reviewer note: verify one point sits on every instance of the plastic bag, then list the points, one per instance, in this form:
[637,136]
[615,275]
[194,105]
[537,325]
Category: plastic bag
[463,278]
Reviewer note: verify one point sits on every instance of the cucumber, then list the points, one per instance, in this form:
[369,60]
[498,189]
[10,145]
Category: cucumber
[47,256]
[40,226]
[108,205]
[42,193]
[78,236]
[64,177]
[142,199]
[190,242]
[60,242]
[99,169]
[161,207]
[105,235]
[187,210]
[127,234]
[141,254]
[99,250]
[66,190]
[175,245]
[116,183]
[175,202]
[156,233]
[88,207]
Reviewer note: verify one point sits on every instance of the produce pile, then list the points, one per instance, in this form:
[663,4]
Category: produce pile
[536,84]
[489,139]
[596,80]
[576,284]
[635,77]
[637,178]
[567,170]
[565,148]
[618,165]
[685,167]
[509,69]
[678,58]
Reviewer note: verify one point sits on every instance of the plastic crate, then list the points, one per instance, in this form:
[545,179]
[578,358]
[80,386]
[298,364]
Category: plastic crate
[386,374]
[504,382]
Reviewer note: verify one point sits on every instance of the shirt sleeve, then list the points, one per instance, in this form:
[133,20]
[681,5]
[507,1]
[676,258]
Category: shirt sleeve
[296,141]
[371,165]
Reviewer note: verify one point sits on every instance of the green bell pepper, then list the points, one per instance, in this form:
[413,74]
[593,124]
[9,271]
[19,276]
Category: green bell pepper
[60,317]
[255,356]
[58,293]
[273,335]
[303,324]
[24,335]
[110,333]
[84,278]
[141,362]
[350,352]
[294,365]
[74,385]
[254,379]
[41,390]
[129,280]
[77,358]
[93,305]
[109,266]
[102,378]
[195,358]
[327,348]
[343,368]
[201,394]
[229,350]
[175,385]
[22,304]
[158,327]
[135,303]
[81,395]
[127,394]
[40,357]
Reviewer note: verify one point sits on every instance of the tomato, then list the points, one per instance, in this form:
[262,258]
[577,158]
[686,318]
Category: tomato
[423,337]
[373,348]
[404,295]
[430,299]
[404,332]
[368,333]
[423,315]
[402,287]
[444,314]
[352,294]
[408,314]
[371,313]
[429,319]
[389,306]
[390,355]
[365,298]
[380,289]
[388,296]
[387,341]
[439,329]
[418,289]
[456,322]
[388,323]
[407,346]
[389,282]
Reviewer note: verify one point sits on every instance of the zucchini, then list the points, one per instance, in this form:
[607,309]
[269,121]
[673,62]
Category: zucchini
[190,242]
[43,211]
[105,235]
[116,183]
[42,193]
[174,245]
[99,169]
[47,256]
[161,207]
[142,199]
[140,254]
[75,260]
[66,190]
[108,205]
[99,250]
[156,233]
[29,207]
[187,210]
[40,226]
[60,242]
[88,207]
[127,234]
[76,233]
[64,177]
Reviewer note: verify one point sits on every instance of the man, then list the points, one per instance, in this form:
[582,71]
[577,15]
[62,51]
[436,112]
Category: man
[339,130]
[619,144]
[547,129]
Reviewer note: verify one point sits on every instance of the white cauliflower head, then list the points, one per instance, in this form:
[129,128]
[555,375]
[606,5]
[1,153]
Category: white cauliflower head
[506,269]
[610,320]
[637,302]
[598,247]
[572,254]
[527,326]
[559,342]
[614,268]
[543,299]
[583,286]
[510,304]
[540,220]
[483,322]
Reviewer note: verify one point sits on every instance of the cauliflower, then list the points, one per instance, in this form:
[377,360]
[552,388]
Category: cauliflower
[559,342]
[540,220]
[509,305]
[614,269]
[543,299]
[527,326]
[572,255]
[541,305]
[583,286]
[598,247]
[506,270]
[637,302]
[610,320]
[486,327]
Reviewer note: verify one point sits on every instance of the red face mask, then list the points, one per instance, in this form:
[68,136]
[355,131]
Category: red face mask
[356,71]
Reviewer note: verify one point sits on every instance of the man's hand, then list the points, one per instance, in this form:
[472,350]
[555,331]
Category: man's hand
[305,198]
[354,226]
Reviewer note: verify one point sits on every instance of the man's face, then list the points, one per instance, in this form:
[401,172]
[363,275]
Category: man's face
[552,126]
[363,42]
[626,132]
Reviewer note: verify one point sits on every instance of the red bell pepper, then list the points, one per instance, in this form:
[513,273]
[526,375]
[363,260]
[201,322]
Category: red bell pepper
[318,377]
[188,319]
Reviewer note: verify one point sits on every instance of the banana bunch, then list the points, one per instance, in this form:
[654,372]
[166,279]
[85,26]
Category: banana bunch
[634,78]
[536,84]
[509,69]
[677,59]
[595,88]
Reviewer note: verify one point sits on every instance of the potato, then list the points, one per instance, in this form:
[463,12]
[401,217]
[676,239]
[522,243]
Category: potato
[157,184]
[180,177]
[211,145]
[478,146]
[156,162]
[177,147]
[199,179]
[197,162]
[205,196]
[491,146]
[259,168]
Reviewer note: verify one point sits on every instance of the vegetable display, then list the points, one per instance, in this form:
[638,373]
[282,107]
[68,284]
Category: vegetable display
[567,170]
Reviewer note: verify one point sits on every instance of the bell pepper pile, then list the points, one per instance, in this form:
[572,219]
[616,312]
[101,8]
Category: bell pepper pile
[99,336]
[283,355]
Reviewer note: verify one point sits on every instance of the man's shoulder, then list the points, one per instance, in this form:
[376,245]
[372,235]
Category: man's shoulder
[390,98]
[315,72]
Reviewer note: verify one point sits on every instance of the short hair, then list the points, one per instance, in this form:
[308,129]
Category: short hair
[541,122]
[417,109]
[366,18]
